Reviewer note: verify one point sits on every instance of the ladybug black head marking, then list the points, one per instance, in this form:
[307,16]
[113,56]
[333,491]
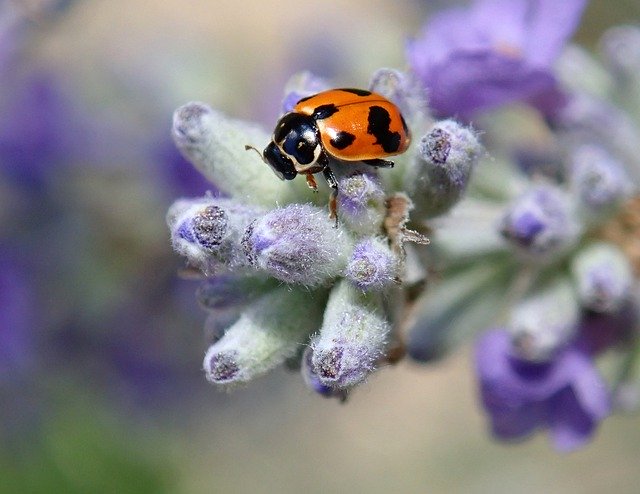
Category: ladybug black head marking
[279,162]
[281,165]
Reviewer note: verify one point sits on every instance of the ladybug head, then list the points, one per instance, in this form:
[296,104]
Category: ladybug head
[279,162]
[281,165]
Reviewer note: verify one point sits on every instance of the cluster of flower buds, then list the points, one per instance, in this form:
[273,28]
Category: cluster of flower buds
[283,282]
[542,244]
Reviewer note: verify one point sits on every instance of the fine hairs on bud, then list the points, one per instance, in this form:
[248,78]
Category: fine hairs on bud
[297,244]
[312,381]
[439,175]
[361,204]
[208,230]
[215,144]
[269,330]
[373,266]
[352,338]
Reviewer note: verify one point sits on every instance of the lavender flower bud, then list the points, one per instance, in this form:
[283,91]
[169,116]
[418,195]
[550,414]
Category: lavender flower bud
[297,244]
[352,338]
[599,182]
[207,231]
[181,206]
[313,382]
[540,224]
[373,266]
[620,48]
[361,203]
[215,144]
[300,86]
[545,321]
[603,277]
[439,175]
[269,331]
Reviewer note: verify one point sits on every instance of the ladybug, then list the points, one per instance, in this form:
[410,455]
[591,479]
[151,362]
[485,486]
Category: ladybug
[350,125]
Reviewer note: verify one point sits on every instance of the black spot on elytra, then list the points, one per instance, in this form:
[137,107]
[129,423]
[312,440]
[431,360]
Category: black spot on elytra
[324,111]
[359,92]
[379,122]
[305,99]
[342,140]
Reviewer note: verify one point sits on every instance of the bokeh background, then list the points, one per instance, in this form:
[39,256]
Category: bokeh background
[101,342]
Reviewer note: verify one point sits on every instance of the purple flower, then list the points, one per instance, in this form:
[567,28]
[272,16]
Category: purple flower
[566,395]
[39,128]
[492,53]
[598,332]
[17,317]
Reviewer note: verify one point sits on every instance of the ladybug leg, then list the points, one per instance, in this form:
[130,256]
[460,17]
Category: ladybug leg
[311,182]
[333,200]
[378,163]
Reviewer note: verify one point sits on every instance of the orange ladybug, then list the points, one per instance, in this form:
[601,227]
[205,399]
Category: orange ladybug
[346,124]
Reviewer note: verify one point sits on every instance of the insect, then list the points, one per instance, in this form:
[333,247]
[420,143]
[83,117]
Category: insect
[350,125]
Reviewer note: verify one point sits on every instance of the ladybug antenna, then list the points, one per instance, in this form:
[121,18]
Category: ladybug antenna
[247,147]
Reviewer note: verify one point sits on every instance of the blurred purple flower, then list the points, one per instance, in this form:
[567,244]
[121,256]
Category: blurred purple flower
[181,176]
[131,350]
[17,318]
[598,332]
[492,53]
[566,395]
[40,128]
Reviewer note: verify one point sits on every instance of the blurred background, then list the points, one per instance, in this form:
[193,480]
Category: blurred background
[101,342]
